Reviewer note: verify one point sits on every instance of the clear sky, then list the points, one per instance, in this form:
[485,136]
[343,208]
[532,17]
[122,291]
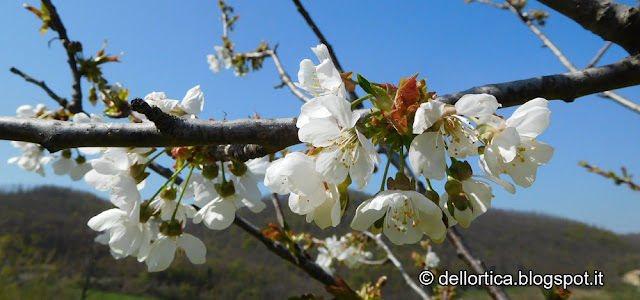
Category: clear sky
[455,46]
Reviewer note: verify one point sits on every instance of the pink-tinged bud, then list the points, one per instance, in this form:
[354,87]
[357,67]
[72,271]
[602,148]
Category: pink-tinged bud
[180,152]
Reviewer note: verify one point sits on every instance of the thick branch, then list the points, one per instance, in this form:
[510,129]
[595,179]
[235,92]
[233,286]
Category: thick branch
[610,20]
[277,134]
[75,106]
[272,134]
[565,87]
[41,84]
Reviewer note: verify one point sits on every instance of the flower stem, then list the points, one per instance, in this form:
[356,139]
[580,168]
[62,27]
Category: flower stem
[186,182]
[386,170]
[153,158]
[401,169]
[358,101]
[173,177]
[224,180]
[429,183]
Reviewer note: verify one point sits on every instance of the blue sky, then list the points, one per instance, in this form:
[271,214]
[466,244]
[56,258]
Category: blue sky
[455,46]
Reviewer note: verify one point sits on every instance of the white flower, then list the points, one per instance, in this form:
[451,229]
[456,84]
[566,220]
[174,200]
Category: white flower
[76,168]
[191,105]
[407,216]
[193,101]
[218,214]
[163,250]
[431,260]
[511,147]
[309,195]
[225,56]
[214,63]
[246,185]
[453,134]
[110,172]
[346,151]
[342,250]
[479,196]
[32,158]
[169,206]
[27,111]
[126,236]
[323,79]
[324,260]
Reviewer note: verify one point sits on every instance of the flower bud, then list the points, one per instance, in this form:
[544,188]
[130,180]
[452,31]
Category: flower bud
[169,193]
[237,168]
[460,170]
[137,172]
[210,171]
[453,187]
[66,153]
[225,189]
[180,152]
[460,201]
[81,159]
[433,196]
[171,228]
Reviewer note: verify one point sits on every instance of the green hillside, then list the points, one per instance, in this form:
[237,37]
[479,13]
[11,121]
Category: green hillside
[47,251]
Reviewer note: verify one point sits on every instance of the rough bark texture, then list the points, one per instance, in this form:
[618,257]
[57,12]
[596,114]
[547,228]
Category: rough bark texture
[610,20]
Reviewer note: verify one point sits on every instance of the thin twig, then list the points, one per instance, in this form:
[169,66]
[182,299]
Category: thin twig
[75,106]
[324,41]
[617,179]
[488,2]
[476,265]
[278,209]
[564,60]
[423,294]
[285,77]
[599,55]
[41,84]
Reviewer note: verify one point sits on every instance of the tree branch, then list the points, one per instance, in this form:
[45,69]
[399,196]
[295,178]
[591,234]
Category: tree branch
[75,106]
[474,264]
[423,294]
[271,134]
[41,84]
[324,41]
[567,86]
[610,20]
[599,55]
[277,134]
[564,60]
[285,77]
[301,261]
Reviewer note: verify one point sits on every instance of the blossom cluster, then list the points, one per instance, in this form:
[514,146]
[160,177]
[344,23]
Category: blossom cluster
[406,116]
[344,250]
[342,151]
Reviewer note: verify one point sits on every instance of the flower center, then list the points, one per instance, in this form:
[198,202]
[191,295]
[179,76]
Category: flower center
[348,143]
[400,218]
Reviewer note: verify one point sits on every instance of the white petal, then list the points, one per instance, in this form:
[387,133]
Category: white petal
[194,248]
[161,254]
[193,101]
[319,132]
[427,155]
[427,114]
[218,214]
[506,142]
[476,105]
[531,119]
[371,210]
[62,166]
[107,219]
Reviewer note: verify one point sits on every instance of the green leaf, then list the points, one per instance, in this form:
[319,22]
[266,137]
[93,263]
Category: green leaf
[365,85]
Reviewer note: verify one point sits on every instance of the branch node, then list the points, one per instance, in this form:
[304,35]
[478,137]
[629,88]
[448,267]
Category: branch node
[165,123]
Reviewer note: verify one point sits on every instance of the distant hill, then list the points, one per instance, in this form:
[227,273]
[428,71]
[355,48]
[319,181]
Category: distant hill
[44,239]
